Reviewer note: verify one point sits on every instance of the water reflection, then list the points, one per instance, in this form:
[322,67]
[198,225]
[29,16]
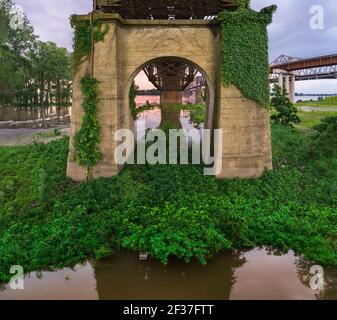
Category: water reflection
[12,114]
[131,279]
[165,118]
[255,274]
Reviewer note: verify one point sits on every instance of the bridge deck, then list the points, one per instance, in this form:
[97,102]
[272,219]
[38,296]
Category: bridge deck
[316,62]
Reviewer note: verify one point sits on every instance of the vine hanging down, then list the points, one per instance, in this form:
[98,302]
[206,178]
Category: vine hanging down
[87,139]
[245,51]
[86,32]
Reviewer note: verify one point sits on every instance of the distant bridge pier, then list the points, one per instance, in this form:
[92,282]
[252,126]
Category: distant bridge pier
[285,70]
[292,81]
[286,80]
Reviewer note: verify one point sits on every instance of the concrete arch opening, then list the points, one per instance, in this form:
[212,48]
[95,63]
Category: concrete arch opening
[171,76]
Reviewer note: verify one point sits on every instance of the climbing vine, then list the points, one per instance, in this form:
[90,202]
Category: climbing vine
[132,101]
[87,138]
[86,141]
[84,35]
[245,50]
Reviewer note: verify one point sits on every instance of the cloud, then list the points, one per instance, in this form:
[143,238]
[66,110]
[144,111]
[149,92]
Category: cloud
[50,18]
[290,32]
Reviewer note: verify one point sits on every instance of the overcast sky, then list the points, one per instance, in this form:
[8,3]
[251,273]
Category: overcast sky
[290,33]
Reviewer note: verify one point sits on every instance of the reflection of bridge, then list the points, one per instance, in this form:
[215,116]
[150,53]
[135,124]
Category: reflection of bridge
[287,70]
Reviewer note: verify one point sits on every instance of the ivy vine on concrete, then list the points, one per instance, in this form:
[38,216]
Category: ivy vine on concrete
[87,32]
[87,139]
[245,62]
[84,35]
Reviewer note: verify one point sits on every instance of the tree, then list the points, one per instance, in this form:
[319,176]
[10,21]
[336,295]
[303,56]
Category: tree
[286,112]
[50,75]
[15,43]
[33,74]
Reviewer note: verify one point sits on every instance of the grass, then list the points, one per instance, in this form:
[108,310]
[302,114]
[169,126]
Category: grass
[327,102]
[47,221]
[311,119]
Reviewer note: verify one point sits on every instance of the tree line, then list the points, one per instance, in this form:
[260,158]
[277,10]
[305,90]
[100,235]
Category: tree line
[33,74]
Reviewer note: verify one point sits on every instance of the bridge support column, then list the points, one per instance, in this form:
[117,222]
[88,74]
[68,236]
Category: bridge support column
[292,89]
[287,83]
[111,113]
[198,95]
[171,97]
[246,143]
[280,81]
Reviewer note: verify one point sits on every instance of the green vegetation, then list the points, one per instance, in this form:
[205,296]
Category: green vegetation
[197,113]
[311,119]
[325,140]
[86,33]
[132,99]
[33,74]
[47,221]
[146,107]
[286,112]
[87,139]
[245,51]
[327,102]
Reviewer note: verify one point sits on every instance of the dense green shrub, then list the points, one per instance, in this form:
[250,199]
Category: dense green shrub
[286,112]
[48,221]
[324,143]
[197,113]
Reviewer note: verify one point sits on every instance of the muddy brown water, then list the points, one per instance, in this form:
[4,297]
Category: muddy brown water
[255,274]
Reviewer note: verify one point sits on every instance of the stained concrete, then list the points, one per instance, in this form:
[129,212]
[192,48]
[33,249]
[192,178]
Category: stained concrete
[127,48]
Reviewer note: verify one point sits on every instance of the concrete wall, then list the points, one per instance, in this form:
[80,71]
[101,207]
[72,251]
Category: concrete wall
[246,143]
[127,47]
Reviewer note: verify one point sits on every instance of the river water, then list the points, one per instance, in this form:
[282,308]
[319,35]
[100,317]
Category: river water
[255,274]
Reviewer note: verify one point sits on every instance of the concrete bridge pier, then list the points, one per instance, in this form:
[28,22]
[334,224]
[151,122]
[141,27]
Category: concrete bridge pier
[198,95]
[177,49]
[292,89]
[287,80]
[171,97]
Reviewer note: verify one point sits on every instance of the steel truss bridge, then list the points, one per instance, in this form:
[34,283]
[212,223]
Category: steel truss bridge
[317,68]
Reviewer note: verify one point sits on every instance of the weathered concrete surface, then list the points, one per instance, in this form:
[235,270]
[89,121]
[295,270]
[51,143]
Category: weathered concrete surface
[131,44]
[246,143]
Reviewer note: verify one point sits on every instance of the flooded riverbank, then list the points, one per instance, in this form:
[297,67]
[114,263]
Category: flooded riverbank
[255,274]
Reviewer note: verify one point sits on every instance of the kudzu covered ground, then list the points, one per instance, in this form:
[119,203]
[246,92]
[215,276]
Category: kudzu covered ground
[48,221]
